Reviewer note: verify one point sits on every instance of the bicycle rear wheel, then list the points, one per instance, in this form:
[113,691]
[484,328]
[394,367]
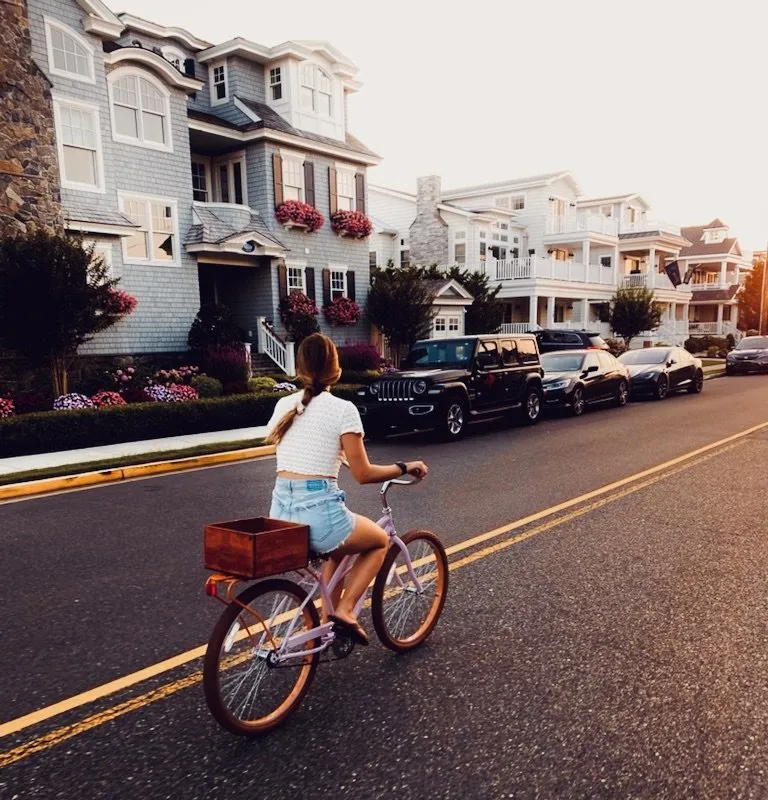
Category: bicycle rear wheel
[246,691]
[402,615]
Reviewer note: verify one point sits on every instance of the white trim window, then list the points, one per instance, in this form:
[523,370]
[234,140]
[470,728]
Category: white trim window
[276,83]
[69,54]
[373,259]
[230,179]
[174,57]
[559,207]
[293,176]
[296,279]
[512,202]
[102,250]
[219,82]
[338,282]
[440,324]
[140,108]
[453,324]
[78,139]
[316,90]
[345,188]
[201,179]
[157,238]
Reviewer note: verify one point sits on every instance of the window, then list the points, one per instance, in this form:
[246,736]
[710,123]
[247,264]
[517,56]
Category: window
[439,324]
[559,207]
[69,54]
[483,250]
[315,90]
[140,113]
[631,215]
[103,251]
[488,355]
[508,353]
[338,283]
[405,257]
[560,317]
[605,261]
[512,202]
[345,189]
[293,177]
[295,279]
[373,259]
[559,255]
[157,236]
[217,76]
[606,211]
[200,181]
[276,83]
[230,175]
[527,352]
[453,324]
[79,145]
[726,313]
[460,253]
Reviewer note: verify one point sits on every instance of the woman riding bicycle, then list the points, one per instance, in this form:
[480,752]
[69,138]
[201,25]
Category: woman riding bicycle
[315,432]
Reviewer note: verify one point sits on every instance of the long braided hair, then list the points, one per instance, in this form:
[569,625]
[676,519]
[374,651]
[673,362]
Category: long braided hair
[317,365]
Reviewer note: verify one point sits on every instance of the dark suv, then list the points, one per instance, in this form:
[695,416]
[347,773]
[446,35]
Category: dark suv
[553,339]
[447,382]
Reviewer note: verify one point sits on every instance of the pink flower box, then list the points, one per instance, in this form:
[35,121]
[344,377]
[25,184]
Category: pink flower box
[295,213]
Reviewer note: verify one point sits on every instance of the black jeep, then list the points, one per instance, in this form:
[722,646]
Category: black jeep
[447,382]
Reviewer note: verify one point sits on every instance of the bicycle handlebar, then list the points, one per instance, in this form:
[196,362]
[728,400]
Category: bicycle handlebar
[396,482]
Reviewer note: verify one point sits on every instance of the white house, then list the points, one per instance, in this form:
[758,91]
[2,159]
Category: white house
[558,256]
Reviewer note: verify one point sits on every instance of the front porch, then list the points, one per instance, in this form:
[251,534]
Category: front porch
[523,314]
[714,319]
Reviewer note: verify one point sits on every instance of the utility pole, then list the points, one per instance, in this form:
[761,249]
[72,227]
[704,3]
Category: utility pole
[762,293]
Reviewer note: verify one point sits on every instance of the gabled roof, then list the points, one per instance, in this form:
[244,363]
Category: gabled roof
[380,226]
[698,247]
[163,32]
[544,179]
[213,228]
[448,288]
[99,20]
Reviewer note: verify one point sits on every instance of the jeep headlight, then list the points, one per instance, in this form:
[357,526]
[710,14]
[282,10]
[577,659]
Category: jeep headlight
[419,387]
[374,387]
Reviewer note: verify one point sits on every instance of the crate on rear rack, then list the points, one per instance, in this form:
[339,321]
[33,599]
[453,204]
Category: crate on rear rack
[256,547]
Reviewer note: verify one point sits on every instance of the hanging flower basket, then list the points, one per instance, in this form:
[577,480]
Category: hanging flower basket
[294,213]
[342,311]
[351,223]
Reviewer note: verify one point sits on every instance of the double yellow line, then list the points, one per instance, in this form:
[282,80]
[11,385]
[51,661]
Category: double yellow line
[574,508]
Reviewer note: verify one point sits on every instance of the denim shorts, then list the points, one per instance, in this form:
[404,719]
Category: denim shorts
[318,503]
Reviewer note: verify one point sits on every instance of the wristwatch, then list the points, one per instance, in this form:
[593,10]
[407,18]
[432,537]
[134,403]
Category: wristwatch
[403,468]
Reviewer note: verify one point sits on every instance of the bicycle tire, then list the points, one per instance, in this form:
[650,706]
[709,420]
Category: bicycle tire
[305,674]
[379,606]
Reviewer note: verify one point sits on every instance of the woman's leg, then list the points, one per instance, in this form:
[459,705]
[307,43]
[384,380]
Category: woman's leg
[329,568]
[370,542]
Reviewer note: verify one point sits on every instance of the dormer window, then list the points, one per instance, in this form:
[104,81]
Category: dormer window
[714,236]
[219,83]
[174,57]
[315,90]
[69,54]
[276,83]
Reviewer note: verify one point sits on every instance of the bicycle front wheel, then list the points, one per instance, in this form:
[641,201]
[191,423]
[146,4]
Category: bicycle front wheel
[249,685]
[405,613]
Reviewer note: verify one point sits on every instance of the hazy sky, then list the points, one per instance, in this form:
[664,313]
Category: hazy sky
[663,98]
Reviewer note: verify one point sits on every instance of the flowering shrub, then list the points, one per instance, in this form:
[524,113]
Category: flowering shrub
[158,394]
[229,364]
[181,375]
[284,387]
[101,399]
[354,223]
[300,213]
[342,311]
[135,394]
[71,401]
[298,313]
[6,407]
[122,377]
[120,303]
[359,357]
[181,393]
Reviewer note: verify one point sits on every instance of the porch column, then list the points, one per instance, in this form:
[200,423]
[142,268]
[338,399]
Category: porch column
[723,273]
[550,312]
[533,310]
[673,315]
[585,313]
[651,266]
[686,320]
[585,253]
[618,268]
[719,319]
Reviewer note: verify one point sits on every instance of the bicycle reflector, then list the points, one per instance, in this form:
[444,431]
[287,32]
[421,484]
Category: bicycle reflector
[210,588]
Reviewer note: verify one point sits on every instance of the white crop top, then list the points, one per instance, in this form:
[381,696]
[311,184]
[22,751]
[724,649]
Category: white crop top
[312,446]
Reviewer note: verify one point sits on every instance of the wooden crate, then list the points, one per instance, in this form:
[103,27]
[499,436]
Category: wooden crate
[256,548]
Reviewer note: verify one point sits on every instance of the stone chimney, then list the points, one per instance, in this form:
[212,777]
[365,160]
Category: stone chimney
[30,196]
[429,232]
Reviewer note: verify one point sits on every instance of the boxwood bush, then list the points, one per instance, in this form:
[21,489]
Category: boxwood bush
[49,431]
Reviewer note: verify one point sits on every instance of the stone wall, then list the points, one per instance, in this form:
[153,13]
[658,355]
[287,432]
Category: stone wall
[428,232]
[29,175]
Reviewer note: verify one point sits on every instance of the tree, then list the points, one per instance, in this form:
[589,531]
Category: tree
[214,325]
[54,297]
[400,305]
[749,300]
[632,311]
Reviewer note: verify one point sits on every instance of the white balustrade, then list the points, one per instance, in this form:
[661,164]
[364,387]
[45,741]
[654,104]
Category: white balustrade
[643,226]
[582,223]
[281,352]
[512,270]
[705,327]
[515,327]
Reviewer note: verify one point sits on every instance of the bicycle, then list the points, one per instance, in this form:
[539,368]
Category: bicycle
[265,649]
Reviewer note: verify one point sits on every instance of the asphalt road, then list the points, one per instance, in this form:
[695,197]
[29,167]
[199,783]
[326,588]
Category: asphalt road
[619,653]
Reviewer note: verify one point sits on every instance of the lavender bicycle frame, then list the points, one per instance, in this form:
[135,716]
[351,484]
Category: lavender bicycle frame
[325,631]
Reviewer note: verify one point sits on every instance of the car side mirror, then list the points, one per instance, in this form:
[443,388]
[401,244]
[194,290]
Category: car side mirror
[671,362]
[593,368]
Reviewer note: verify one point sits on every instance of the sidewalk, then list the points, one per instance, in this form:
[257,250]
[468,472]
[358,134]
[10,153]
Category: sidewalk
[66,458]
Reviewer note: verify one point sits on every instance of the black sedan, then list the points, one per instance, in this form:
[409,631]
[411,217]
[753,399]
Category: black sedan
[553,339]
[750,355]
[657,371]
[575,379]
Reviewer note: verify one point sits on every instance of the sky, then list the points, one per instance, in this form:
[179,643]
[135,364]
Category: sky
[667,99]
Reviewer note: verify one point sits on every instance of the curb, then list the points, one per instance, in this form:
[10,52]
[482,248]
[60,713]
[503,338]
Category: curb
[50,485]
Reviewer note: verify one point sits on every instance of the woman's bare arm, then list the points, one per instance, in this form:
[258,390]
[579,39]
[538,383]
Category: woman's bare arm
[365,472]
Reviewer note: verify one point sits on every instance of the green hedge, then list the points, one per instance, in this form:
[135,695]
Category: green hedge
[48,431]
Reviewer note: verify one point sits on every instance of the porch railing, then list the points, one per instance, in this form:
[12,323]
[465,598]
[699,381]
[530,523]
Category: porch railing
[582,223]
[515,327]
[280,351]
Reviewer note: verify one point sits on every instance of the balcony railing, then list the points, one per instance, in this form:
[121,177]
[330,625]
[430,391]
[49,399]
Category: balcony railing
[650,280]
[531,267]
[515,327]
[582,223]
[713,328]
[643,225]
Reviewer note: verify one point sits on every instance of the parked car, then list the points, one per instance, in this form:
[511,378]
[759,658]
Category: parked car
[657,371]
[575,379]
[447,382]
[553,339]
[750,355]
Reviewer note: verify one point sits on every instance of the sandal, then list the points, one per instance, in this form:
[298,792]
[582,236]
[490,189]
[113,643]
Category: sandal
[352,628]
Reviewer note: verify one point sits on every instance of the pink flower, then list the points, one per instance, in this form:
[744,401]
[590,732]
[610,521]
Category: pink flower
[300,213]
[125,378]
[355,223]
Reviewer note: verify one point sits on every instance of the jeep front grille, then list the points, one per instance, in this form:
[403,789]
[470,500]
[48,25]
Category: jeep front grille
[396,390]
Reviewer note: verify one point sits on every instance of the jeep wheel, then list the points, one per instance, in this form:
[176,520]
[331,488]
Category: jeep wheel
[532,405]
[453,419]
